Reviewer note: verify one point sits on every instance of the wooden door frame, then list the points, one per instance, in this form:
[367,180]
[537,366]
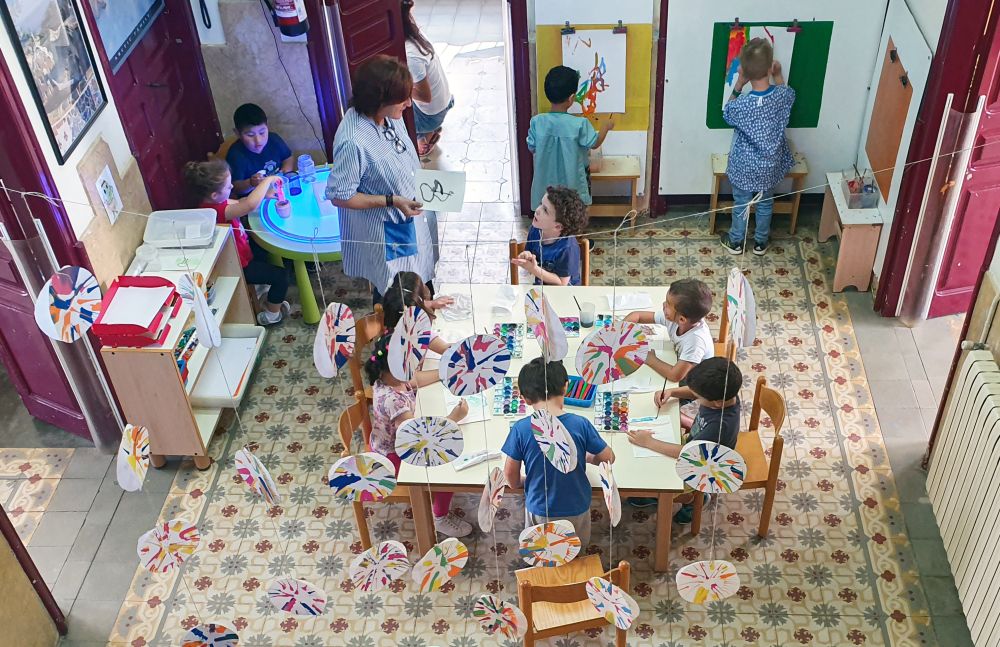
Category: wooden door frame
[521,62]
[658,202]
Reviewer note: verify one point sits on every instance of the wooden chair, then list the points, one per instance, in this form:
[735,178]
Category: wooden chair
[516,248]
[761,472]
[366,329]
[554,599]
[725,347]
[224,147]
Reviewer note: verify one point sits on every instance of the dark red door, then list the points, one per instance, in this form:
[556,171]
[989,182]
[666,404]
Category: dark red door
[370,27]
[165,102]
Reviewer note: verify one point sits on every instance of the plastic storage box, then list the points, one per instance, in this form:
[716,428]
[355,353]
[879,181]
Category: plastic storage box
[180,228]
[584,392]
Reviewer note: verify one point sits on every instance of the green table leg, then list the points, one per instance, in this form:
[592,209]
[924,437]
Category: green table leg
[310,311]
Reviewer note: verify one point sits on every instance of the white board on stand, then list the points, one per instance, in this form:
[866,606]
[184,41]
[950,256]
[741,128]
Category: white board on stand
[599,56]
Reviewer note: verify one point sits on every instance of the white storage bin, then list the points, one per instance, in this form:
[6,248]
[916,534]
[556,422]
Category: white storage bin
[223,384]
[180,228]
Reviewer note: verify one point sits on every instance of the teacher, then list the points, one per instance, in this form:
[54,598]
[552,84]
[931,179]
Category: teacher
[383,229]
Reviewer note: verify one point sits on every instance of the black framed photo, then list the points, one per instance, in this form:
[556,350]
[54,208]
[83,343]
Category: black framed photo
[122,24]
[52,46]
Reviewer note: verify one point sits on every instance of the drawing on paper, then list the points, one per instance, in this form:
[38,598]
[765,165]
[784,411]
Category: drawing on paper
[133,458]
[474,364]
[782,41]
[211,635]
[495,615]
[617,606]
[68,304]
[554,441]
[441,563]
[549,544]
[599,56]
[167,546]
[364,478]
[379,566]
[429,441]
[707,581]
[298,597]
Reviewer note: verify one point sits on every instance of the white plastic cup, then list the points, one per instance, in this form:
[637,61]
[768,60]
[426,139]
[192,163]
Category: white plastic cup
[587,314]
[148,257]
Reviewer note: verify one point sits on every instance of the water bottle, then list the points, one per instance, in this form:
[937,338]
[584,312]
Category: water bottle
[307,168]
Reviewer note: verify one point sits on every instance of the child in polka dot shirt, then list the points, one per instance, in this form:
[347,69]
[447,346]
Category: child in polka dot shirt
[759,157]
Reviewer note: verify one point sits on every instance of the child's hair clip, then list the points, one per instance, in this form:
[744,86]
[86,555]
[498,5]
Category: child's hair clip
[379,353]
[373,359]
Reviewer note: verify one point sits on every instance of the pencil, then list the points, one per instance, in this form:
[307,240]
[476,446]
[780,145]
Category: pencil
[658,408]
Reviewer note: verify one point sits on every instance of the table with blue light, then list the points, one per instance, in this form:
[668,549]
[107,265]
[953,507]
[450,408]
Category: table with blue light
[311,232]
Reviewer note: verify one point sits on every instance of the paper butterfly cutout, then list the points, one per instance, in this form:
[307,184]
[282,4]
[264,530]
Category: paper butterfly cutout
[365,478]
[68,304]
[474,364]
[334,343]
[133,458]
[710,467]
[296,596]
[707,581]
[379,566]
[549,544]
[496,616]
[211,635]
[441,563]
[254,474]
[408,343]
[610,489]
[429,441]
[492,495]
[612,602]
[554,440]
[611,353]
[205,323]
[544,323]
[167,545]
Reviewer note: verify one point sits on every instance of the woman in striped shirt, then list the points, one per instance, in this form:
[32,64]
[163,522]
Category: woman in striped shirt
[382,227]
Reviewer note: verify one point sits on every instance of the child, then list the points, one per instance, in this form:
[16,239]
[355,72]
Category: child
[212,183]
[561,142]
[759,157]
[407,289]
[552,253]
[393,403]
[684,310]
[258,153]
[715,385]
[550,495]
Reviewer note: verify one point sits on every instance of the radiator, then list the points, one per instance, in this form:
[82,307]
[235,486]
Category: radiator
[964,488]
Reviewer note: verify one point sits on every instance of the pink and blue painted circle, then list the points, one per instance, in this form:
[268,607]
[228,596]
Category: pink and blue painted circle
[334,342]
[298,597]
[474,364]
[611,353]
[409,342]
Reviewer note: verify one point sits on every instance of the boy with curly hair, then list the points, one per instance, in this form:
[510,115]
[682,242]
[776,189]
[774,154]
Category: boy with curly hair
[552,253]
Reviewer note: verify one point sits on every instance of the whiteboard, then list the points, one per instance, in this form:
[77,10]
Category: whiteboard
[599,56]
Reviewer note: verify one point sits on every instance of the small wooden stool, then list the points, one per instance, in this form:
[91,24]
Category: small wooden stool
[859,231]
[790,205]
[616,168]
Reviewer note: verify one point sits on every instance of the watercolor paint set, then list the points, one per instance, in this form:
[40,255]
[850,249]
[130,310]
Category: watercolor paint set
[507,400]
[512,335]
[611,411]
[570,324]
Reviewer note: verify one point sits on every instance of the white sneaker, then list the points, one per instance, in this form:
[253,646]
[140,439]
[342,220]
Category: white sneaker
[261,289]
[452,526]
[268,318]
[286,309]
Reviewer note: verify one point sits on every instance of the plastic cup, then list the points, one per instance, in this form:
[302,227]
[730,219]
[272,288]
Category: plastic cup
[148,257]
[587,312]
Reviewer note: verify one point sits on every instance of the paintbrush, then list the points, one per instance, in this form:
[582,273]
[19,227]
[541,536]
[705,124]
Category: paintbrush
[577,303]
[658,408]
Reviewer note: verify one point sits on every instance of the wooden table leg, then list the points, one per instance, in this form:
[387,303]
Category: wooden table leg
[202,462]
[310,311]
[423,518]
[664,517]
[635,200]
[714,204]
[797,185]
[157,460]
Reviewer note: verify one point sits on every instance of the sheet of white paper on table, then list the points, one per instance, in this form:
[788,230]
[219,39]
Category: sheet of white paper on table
[630,384]
[480,408]
[135,305]
[662,429]
[440,190]
[630,301]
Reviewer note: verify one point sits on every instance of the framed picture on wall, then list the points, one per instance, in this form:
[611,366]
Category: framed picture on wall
[122,25]
[51,44]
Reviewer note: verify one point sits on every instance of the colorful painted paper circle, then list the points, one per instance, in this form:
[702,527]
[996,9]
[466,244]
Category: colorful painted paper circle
[474,364]
[68,304]
[379,566]
[549,544]
[441,563]
[554,440]
[710,467]
[429,441]
[167,545]
[736,305]
[334,343]
[534,314]
[610,489]
[612,353]
[133,458]
[496,616]
[365,478]
[492,495]
[408,343]
[191,291]
[612,602]
[545,326]
[211,635]
[707,581]
[296,596]
[254,474]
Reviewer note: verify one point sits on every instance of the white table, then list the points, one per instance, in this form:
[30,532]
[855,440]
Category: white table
[648,477]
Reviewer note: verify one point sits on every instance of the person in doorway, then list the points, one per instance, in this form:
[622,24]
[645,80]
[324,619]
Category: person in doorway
[258,153]
[432,98]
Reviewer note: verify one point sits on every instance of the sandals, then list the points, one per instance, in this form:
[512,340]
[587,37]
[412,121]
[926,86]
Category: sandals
[426,144]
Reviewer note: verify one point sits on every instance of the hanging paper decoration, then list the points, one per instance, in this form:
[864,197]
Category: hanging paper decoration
[133,458]
[408,343]
[441,563]
[750,329]
[205,322]
[68,304]
[544,324]
[611,353]
[334,343]
[554,440]
[496,616]
[379,566]
[741,307]
[167,545]
[254,474]
[474,364]
[611,497]
[612,602]
[707,581]
[211,635]
[710,467]
[549,544]
[492,495]
[365,478]
[298,597]
[429,441]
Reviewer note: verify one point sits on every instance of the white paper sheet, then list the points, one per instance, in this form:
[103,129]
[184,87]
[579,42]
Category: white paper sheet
[599,56]
[663,430]
[133,305]
[440,190]
[504,301]
[225,378]
[480,408]
[630,301]
[630,384]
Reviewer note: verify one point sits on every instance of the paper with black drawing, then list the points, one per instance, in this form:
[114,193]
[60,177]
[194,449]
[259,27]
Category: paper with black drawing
[440,190]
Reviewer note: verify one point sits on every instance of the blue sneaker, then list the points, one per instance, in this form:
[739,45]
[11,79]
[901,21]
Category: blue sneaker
[685,514]
[642,502]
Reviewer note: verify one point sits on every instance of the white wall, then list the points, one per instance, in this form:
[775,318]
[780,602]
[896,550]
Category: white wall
[929,15]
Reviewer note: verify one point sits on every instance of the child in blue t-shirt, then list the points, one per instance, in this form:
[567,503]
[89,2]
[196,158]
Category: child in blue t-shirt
[258,153]
[552,253]
[759,157]
[550,495]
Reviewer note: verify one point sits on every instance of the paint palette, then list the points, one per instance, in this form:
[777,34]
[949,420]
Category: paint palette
[507,400]
[512,334]
[611,411]
[604,321]
[570,324]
